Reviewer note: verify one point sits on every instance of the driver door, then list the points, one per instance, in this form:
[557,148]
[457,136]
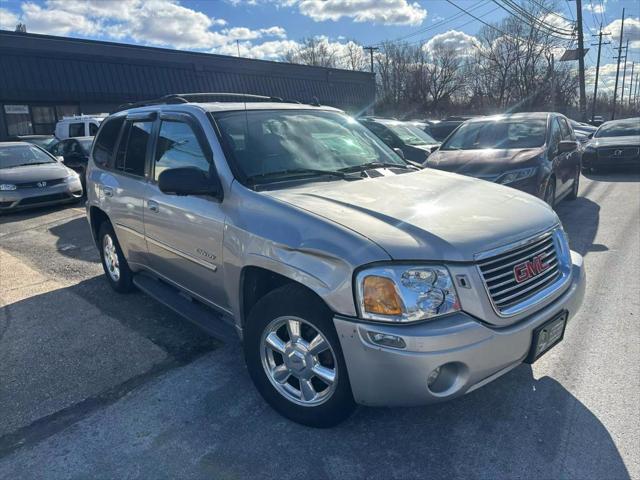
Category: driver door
[184,233]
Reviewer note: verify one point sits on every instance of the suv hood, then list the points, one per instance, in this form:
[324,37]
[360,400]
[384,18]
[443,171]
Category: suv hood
[482,163]
[426,215]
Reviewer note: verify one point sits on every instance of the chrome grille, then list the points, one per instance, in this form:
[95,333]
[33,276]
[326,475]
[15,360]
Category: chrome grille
[498,272]
[48,183]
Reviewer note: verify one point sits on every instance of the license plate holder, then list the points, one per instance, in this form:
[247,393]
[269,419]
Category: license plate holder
[547,336]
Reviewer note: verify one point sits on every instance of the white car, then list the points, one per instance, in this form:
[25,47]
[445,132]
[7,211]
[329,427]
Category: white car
[79,126]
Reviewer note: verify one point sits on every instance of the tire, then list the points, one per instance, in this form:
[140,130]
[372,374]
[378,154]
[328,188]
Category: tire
[115,265]
[287,389]
[550,193]
[575,187]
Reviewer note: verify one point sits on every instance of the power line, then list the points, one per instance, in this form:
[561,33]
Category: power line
[532,20]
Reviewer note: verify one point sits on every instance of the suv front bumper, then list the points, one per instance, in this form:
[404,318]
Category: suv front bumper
[470,353]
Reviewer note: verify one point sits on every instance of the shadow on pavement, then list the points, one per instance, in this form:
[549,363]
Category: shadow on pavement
[580,219]
[22,215]
[614,175]
[75,240]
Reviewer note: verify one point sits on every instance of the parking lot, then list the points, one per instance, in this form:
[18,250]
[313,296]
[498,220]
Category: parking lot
[96,384]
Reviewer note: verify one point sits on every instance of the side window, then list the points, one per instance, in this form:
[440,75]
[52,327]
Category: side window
[555,135]
[383,133]
[76,129]
[122,146]
[567,131]
[178,146]
[135,153]
[93,129]
[105,142]
[57,149]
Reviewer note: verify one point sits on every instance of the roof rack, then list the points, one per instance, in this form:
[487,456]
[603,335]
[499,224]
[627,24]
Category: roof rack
[177,98]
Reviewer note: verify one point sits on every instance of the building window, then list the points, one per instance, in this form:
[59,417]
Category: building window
[44,120]
[18,120]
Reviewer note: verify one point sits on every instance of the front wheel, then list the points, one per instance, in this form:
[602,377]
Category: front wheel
[294,358]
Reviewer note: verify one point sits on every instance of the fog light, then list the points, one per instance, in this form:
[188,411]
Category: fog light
[433,376]
[386,340]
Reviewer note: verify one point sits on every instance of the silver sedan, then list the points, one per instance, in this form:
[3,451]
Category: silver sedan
[32,177]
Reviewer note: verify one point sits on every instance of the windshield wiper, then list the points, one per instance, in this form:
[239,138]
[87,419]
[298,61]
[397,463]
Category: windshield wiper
[372,165]
[294,172]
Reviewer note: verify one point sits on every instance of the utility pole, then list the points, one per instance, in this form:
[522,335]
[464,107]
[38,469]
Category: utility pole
[631,82]
[371,50]
[553,83]
[615,89]
[583,94]
[595,87]
[624,73]
[635,94]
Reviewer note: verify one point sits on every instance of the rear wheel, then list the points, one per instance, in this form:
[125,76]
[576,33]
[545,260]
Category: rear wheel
[294,358]
[114,264]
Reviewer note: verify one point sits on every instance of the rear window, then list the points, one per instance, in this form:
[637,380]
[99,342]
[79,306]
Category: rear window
[106,141]
[132,150]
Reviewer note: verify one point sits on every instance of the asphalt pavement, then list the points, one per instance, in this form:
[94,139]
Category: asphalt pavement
[99,385]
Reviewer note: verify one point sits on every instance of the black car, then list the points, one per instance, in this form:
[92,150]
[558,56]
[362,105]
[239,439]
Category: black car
[533,152]
[405,137]
[615,144]
[441,129]
[74,153]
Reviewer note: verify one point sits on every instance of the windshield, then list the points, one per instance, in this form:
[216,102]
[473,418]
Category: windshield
[21,155]
[270,144]
[619,129]
[41,142]
[410,134]
[500,134]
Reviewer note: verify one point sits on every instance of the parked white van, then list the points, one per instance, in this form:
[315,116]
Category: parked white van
[79,126]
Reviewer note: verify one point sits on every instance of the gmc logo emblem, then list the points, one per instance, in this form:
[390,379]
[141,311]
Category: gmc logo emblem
[529,269]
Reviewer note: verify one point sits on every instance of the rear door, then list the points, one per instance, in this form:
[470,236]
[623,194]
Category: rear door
[123,185]
[184,233]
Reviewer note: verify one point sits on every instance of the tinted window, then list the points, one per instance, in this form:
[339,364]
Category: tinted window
[382,132]
[122,146]
[106,141]
[178,147]
[136,153]
[497,133]
[22,155]
[567,133]
[556,134]
[93,129]
[410,134]
[58,149]
[76,129]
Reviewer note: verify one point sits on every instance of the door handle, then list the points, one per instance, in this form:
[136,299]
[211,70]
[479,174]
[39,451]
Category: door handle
[153,206]
[108,191]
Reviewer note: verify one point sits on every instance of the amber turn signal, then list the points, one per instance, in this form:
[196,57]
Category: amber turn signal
[380,296]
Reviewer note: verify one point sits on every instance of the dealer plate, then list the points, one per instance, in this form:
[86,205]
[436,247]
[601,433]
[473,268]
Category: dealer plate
[546,336]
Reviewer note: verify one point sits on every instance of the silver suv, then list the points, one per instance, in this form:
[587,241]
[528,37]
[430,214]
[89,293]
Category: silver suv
[350,275]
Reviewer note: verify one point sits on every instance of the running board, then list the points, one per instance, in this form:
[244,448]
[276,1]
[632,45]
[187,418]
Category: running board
[200,315]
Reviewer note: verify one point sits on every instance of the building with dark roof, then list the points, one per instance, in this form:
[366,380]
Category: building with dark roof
[44,78]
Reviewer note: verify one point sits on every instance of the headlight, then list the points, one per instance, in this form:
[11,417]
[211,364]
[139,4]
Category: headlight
[516,175]
[403,293]
[7,187]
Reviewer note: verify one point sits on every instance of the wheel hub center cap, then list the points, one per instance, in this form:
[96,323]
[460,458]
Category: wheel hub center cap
[296,361]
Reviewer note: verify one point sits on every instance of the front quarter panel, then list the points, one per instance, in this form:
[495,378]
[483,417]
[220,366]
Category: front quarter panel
[321,255]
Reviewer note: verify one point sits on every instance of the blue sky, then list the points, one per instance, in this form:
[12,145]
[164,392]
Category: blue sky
[267,28]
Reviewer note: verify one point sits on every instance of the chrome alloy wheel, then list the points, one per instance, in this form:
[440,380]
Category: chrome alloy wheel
[111,257]
[299,361]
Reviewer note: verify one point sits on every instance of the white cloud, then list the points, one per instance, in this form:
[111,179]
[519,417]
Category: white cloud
[631,31]
[556,21]
[8,19]
[269,50]
[606,78]
[387,12]
[462,43]
[595,7]
[56,22]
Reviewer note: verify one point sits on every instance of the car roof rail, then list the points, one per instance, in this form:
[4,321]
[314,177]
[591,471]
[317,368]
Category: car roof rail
[178,98]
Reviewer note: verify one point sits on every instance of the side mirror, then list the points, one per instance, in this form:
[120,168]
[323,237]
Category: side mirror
[60,158]
[565,146]
[187,181]
[399,152]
